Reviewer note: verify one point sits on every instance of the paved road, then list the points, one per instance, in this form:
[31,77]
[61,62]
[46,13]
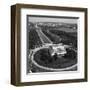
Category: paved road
[43,37]
[48,68]
[44,40]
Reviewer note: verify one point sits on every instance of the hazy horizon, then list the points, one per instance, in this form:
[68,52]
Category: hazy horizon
[49,19]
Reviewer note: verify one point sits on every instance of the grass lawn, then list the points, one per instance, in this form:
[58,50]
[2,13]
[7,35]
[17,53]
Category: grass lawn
[43,58]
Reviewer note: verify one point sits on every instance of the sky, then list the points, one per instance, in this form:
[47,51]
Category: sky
[52,19]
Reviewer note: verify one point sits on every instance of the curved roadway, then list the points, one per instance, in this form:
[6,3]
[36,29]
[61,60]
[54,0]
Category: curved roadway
[44,40]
